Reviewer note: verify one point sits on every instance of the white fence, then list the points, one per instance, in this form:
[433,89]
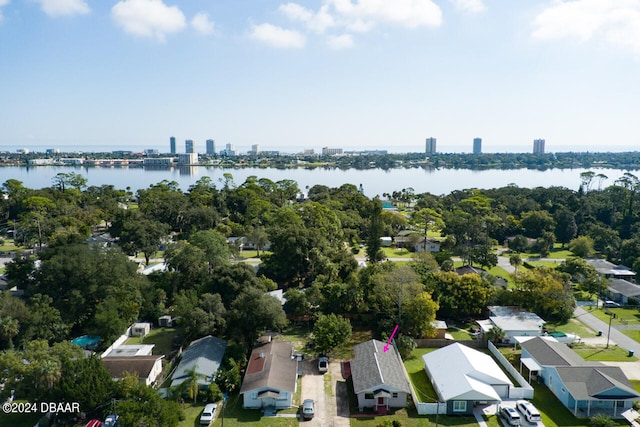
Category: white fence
[525,391]
[424,408]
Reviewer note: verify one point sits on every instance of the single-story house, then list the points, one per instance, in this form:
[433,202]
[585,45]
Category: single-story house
[611,270]
[147,368]
[418,243]
[463,377]
[386,241]
[378,376]
[270,378]
[205,356]
[620,290]
[583,387]
[514,321]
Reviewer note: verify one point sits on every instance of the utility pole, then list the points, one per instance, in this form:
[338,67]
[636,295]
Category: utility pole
[611,316]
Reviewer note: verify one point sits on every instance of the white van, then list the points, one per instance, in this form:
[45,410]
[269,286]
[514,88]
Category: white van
[529,411]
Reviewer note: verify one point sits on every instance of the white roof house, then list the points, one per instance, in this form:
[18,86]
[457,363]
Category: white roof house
[515,322]
[461,373]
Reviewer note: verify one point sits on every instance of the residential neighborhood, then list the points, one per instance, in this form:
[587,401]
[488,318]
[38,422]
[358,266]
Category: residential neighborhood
[324,310]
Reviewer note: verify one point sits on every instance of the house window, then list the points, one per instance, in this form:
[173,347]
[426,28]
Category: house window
[459,406]
[368,396]
[254,395]
[394,395]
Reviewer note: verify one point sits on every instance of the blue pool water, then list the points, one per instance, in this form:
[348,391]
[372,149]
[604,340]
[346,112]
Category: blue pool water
[86,341]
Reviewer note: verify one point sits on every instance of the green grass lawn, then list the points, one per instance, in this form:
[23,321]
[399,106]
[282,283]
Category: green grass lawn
[236,415]
[624,316]
[573,326]
[409,418]
[161,337]
[419,378]
[460,334]
[549,264]
[192,414]
[553,412]
[501,272]
[346,351]
[244,254]
[397,253]
[602,354]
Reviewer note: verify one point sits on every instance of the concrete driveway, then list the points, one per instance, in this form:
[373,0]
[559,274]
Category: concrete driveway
[329,392]
[313,388]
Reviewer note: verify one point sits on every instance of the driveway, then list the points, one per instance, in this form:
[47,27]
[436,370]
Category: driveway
[329,392]
[313,388]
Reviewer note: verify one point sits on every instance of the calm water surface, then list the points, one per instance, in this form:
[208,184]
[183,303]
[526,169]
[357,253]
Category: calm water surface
[374,181]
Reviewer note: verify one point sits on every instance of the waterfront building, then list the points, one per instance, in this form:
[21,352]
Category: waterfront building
[188,159]
[158,162]
[326,151]
[228,151]
[172,145]
[477,145]
[188,146]
[211,146]
[430,146]
[538,146]
[151,151]
[53,151]
[255,150]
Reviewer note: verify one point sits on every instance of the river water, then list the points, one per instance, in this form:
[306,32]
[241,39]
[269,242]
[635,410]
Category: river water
[374,181]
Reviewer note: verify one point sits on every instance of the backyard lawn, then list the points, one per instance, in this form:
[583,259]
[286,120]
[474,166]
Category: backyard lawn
[161,337]
[415,368]
[397,253]
[573,326]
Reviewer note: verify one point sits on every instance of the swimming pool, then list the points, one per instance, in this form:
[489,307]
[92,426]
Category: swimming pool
[86,341]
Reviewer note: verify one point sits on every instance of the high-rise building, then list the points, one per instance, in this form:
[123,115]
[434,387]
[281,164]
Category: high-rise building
[211,146]
[326,151]
[188,146]
[430,147]
[538,146]
[477,145]
[172,144]
[255,149]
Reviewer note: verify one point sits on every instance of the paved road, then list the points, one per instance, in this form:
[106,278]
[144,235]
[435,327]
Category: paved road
[616,336]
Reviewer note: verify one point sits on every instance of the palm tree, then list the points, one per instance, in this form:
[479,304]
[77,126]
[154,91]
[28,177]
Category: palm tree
[495,334]
[515,260]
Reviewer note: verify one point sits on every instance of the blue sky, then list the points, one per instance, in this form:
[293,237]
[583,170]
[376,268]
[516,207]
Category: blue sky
[337,73]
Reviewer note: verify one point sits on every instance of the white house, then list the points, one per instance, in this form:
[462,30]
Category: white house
[514,321]
[270,378]
[378,377]
[462,377]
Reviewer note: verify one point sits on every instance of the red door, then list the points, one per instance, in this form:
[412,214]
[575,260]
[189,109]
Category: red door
[381,401]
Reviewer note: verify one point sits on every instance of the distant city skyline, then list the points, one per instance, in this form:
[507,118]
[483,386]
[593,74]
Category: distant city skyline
[337,73]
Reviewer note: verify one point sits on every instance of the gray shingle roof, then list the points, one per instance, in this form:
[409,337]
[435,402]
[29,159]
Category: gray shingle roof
[205,355]
[271,365]
[597,382]
[550,353]
[623,287]
[373,367]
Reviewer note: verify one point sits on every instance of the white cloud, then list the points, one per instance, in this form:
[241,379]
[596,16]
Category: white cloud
[2,4]
[344,41]
[470,6]
[277,36]
[202,24]
[314,21]
[406,13]
[64,7]
[148,18]
[617,22]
